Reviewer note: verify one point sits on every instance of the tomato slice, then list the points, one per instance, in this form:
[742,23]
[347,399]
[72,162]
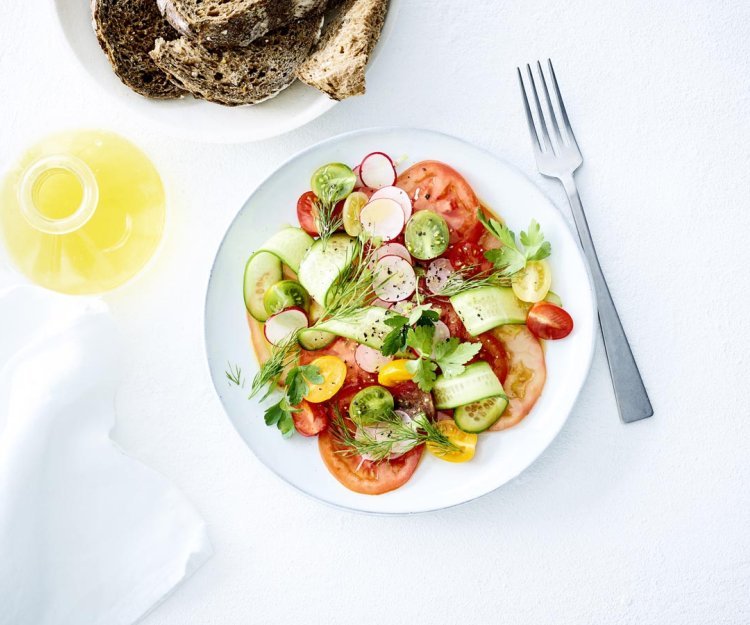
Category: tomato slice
[469,251]
[548,321]
[442,190]
[310,419]
[527,373]
[368,478]
[493,352]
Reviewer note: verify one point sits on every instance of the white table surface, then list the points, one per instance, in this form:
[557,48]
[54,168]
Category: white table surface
[645,523]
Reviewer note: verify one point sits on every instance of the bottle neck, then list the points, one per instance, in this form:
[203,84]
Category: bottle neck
[58,194]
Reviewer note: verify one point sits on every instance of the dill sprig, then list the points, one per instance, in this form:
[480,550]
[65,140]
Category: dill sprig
[394,432]
[234,375]
[467,278]
[327,219]
[282,356]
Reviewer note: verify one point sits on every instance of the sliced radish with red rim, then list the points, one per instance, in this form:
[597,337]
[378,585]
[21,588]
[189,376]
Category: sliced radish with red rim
[359,183]
[442,333]
[382,218]
[398,195]
[394,279]
[280,326]
[381,303]
[393,249]
[437,274]
[377,170]
[369,359]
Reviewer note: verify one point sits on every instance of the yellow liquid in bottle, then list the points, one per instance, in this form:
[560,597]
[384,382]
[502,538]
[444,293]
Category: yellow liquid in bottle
[82,212]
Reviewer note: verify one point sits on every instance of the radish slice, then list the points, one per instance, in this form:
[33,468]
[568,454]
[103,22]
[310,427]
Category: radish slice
[377,170]
[384,433]
[442,333]
[281,325]
[399,195]
[393,249]
[370,359]
[403,308]
[359,178]
[394,279]
[437,274]
[381,303]
[383,219]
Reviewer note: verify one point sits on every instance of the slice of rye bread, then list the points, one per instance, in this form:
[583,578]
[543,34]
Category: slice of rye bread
[240,75]
[221,24]
[338,62]
[126,30]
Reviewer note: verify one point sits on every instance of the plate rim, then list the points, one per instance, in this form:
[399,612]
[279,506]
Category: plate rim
[389,129]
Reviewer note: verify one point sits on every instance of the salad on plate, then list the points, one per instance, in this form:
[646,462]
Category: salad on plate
[401,317]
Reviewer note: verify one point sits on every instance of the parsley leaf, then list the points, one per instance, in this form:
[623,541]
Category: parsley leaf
[509,259]
[451,355]
[420,338]
[533,240]
[424,373]
[395,341]
[297,382]
[273,414]
[280,415]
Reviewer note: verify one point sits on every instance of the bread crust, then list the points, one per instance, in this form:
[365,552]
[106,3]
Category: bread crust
[338,62]
[239,76]
[126,31]
[219,25]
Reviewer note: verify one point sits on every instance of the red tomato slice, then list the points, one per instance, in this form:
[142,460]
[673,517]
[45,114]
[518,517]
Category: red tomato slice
[548,321]
[310,419]
[442,190]
[368,478]
[306,213]
[527,373]
[344,349]
[493,353]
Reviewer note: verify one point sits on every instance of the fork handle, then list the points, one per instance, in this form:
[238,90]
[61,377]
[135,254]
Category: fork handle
[630,393]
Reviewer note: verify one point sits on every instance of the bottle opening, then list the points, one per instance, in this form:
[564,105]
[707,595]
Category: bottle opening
[58,194]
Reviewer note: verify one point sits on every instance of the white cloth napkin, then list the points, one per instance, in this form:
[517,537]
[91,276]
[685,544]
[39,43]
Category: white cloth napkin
[88,536]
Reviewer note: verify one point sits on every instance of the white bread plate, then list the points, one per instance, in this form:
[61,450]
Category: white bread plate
[189,118]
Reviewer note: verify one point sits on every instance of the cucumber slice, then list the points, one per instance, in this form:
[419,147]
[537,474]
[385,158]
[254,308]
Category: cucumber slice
[323,263]
[314,339]
[487,307]
[480,415]
[290,245]
[553,298]
[366,327]
[477,382]
[427,235]
[262,270]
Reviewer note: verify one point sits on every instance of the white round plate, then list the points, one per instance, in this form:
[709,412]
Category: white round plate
[196,119]
[436,484]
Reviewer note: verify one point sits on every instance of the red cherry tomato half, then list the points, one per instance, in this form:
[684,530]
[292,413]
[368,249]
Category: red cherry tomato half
[310,419]
[306,213]
[547,321]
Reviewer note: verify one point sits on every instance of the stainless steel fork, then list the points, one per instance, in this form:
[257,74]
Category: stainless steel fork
[559,157]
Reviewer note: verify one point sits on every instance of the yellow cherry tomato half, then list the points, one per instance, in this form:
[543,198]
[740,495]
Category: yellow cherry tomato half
[465,441]
[391,373]
[532,283]
[350,215]
[333,370]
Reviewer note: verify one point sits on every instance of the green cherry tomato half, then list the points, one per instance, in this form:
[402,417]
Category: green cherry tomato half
[427,235]
[370,405]
[285,294]
[333,182]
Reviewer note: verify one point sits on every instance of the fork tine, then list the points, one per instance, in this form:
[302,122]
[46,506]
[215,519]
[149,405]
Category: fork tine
[529,118]
[550,108]
[561,104]
[542,122]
